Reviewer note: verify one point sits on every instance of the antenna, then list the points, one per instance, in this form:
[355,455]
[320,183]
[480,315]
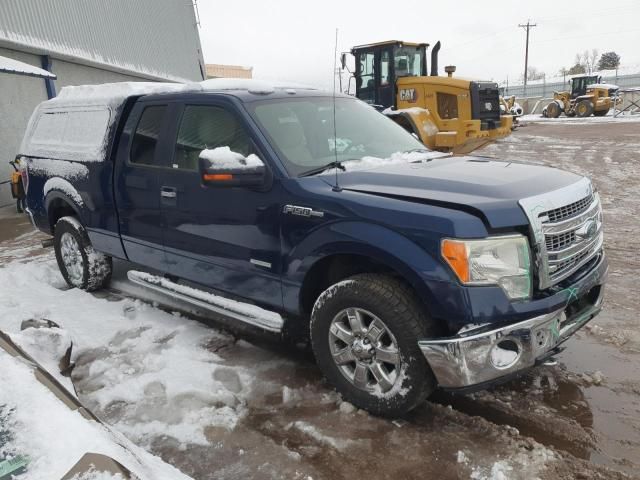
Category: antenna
[336,187]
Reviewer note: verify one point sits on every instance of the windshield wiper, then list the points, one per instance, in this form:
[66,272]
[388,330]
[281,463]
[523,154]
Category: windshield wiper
[334,164]
[426,150]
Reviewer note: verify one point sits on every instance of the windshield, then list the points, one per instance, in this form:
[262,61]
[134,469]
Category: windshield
[301,130]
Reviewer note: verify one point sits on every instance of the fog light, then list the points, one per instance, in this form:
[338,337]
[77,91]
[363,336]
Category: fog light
[505,354]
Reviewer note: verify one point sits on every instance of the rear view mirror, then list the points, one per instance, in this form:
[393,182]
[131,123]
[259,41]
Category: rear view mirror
[343,60]
[226,168]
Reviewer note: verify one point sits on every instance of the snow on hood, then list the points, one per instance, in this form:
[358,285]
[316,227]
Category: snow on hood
[367,162]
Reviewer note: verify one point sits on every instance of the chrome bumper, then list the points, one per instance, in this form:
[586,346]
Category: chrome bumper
[475,358]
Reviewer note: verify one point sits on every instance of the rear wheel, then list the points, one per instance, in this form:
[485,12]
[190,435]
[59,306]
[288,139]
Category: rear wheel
[364,333]
[553,110]
[584,108]
[601,113]
[81,266]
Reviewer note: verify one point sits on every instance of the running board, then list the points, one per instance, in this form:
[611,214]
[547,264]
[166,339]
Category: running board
[244,312]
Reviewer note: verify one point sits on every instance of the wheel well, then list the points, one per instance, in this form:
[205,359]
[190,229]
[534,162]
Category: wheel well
[57,209]
[334,268]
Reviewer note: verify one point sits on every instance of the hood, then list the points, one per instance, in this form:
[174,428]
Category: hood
[488,188]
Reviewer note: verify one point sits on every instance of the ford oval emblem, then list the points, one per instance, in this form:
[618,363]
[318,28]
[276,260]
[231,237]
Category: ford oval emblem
[587,230]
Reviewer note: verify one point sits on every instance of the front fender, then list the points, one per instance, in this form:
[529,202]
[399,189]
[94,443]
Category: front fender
[399,253]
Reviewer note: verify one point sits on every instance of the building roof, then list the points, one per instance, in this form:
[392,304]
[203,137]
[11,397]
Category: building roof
[215,70]
[9,65]
[155,39]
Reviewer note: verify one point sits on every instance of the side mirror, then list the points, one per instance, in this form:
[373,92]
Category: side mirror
[343,60]
[223,167]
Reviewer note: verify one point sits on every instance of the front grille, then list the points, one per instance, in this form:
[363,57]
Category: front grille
[566,265]
[558,242]
[572,235]
[567,211]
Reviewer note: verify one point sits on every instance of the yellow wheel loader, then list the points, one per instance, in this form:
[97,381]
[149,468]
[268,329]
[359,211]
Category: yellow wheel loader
[587,96]
[448,114]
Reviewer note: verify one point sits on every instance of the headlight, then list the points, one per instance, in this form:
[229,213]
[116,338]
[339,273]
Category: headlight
[503,261]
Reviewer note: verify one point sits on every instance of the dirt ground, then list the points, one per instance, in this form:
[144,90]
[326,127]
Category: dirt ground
[577,419]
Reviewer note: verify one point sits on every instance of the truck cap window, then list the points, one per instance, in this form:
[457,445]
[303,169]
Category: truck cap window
[302,131]
[74,134]
[207,127]
[143,146]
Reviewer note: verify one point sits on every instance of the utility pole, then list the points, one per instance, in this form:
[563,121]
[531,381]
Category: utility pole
[527,27]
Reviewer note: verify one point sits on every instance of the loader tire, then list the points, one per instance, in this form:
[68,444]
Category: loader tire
[601,113]
[81,266]
[553,110]
[584,108]
[364,333]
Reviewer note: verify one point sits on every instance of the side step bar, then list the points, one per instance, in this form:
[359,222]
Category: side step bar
[244,312]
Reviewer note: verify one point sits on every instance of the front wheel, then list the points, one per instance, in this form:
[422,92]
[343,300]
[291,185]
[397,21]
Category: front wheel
[364,333]
[584,108]
[81,266]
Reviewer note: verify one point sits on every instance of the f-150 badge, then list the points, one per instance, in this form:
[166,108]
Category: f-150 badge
[302,211]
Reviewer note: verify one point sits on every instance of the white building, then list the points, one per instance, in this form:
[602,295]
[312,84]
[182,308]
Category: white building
[87,42]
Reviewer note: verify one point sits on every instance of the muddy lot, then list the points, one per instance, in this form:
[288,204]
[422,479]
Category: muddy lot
[273,416]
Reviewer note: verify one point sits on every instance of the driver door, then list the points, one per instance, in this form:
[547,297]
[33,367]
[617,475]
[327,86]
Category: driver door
[227,238]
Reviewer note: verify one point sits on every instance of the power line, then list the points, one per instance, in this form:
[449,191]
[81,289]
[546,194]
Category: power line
[527,27]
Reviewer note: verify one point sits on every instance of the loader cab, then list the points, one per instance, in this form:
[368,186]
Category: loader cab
[379,65]
[579,84]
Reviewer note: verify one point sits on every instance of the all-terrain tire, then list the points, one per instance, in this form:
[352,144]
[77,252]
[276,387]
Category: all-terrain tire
[81,266]
[396,305]
[584,108]
[600,113]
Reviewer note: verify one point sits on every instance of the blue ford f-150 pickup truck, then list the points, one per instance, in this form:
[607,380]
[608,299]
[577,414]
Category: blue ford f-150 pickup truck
[293,210]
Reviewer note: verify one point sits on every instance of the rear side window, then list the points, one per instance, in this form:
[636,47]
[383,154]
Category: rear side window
[207,127]
[145,138]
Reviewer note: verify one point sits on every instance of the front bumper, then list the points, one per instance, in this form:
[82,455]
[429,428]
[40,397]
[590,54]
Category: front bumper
[485,355]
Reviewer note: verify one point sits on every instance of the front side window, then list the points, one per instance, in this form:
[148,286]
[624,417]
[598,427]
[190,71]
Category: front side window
[302,131]
[207,127]
[366,80]
[145,138]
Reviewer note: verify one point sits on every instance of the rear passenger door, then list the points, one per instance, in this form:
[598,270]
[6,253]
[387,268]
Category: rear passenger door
[137,187]
[227,238]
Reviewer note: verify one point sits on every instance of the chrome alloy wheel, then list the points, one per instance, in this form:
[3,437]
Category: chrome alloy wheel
[364,350]
[71,257]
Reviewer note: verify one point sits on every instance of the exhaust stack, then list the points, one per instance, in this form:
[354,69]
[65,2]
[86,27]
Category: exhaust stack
[434,59]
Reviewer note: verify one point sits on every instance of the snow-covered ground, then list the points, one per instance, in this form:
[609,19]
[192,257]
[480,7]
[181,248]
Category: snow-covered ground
[564,120]
[216,406]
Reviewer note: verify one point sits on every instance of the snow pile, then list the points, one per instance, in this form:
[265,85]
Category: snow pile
[312,432]
[525,465]
[54,442]
[224,157]
[129,353]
